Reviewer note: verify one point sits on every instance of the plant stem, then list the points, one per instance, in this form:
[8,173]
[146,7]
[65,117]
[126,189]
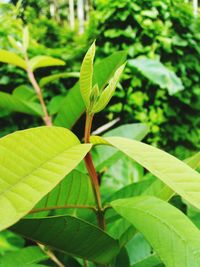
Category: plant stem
[51,255]
[46,118]
[92,173]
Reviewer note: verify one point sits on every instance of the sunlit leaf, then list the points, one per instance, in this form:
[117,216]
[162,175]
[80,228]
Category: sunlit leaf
[181,178]
[103,71]
[108,92]
[45,61]
[27,177]
[172,235]
[86,75]
[51,78]
[12,58]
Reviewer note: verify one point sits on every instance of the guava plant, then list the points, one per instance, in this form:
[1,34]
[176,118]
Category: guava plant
[49,197]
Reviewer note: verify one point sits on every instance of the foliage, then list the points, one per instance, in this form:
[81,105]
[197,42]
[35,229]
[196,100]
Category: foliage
[49,196]
[162,30]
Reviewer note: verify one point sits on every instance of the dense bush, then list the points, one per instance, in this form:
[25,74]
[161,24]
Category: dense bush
[157,29]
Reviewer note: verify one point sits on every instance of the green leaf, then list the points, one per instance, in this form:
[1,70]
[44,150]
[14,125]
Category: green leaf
[103,72]
[45,61]
[150,261]
[51,78]
[12,58]
[28,255]
[74,189]
[24,92]
[105,156]
[176,174]
[14,104]
[172,235]
[156,72]
[70,235]
[32,163]
[108,92]
[86,75]
[10,242]
[25,38]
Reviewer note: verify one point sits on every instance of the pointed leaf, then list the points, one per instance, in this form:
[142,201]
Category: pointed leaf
[172,235]
[45,61]
[14,104]
[103,71]
[70,235]
[108,91]
[51,78]
[86,75]
[176,174]
[12,58]
[33,162]
[156,72]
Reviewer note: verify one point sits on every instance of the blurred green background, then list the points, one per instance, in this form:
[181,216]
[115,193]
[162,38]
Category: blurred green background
[167,30]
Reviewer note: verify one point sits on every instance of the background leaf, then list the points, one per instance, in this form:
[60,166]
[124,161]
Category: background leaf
[156,72]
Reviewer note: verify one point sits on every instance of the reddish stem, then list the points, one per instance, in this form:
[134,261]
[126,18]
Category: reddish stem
[92,173]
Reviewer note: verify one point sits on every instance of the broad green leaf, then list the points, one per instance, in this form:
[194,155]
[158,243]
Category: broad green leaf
[151,261]
[176,174]
[172,235]
[32,163]
[45,61]
[122,259]
[105,156]
[140,246]
[28,255]
[108,92]
[10,242]
[51,78]
[103,72]
[74,189]
[54,104]
[156,72]
[86,75]
[70,235]
[24,92]
[15,104]
[12,58]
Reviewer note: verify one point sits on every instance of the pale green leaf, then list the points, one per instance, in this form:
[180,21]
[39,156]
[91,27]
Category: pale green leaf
[103,72]
[45,61]
[108,91]
[70,235]
[172,235]
[150,261]
[51,78]
[12,58]
[25,38]
[156,72]
[15,104]
[15,44]
[176,174]
[28,255]
[86,75]
[32,163]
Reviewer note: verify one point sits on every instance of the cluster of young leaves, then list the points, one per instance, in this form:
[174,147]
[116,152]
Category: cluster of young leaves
[162,30]
[38,175]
